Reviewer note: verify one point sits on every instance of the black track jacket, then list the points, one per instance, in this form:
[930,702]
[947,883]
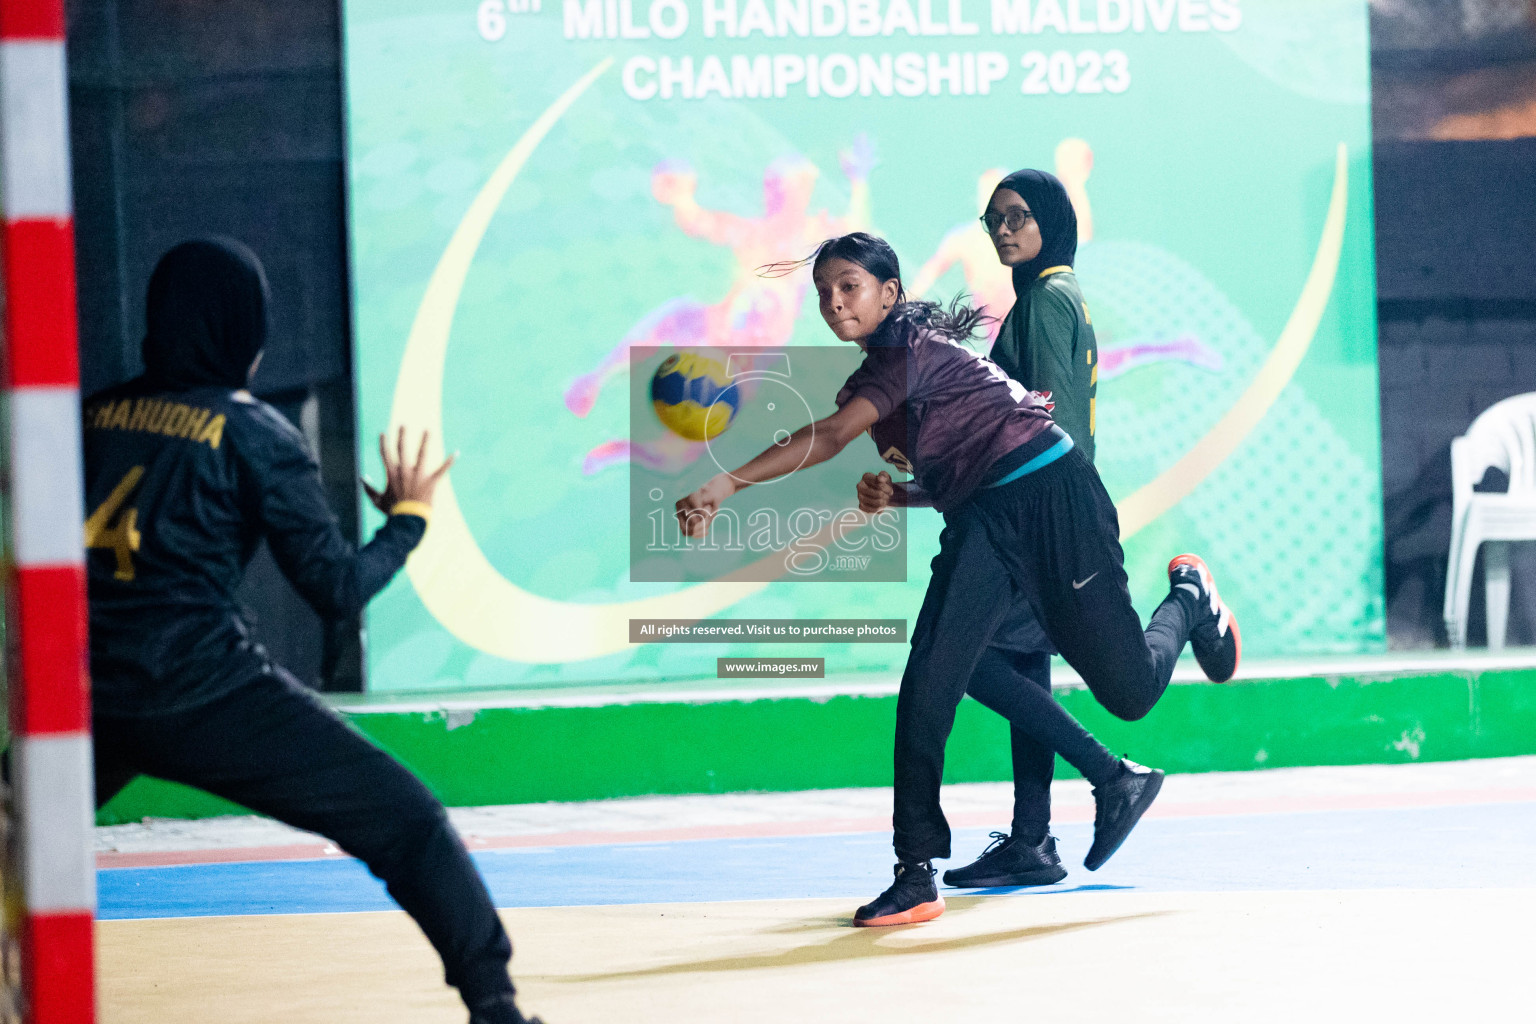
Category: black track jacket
[181,484]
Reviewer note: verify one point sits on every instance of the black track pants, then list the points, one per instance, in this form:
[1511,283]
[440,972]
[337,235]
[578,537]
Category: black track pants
[273,747]
[1017,685]
[1010,671]
[1051,539]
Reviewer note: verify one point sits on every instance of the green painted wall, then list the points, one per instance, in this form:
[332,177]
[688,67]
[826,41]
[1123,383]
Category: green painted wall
[518,755]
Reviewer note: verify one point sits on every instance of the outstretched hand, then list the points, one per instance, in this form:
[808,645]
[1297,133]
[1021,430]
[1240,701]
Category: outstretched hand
[875,492]
[405,481]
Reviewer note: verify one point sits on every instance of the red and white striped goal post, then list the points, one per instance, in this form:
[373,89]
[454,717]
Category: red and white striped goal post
[45,586]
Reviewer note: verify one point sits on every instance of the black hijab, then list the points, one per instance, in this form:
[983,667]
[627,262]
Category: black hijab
[1047,199]
[206,315]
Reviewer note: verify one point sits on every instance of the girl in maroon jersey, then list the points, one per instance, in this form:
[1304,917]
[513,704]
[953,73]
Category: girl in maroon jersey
[1033,523]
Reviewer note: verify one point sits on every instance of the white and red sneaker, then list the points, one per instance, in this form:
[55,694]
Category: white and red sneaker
[1217,643]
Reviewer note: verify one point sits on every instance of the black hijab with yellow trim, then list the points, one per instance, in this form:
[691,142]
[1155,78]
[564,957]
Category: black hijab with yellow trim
[1048,201]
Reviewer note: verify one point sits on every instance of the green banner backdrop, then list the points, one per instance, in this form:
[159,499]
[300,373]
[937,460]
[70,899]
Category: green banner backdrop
[547,183]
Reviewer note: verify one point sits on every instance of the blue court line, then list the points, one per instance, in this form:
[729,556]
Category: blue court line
[1478,846]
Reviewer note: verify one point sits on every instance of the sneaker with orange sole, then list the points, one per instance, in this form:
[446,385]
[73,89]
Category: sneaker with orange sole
[1217,644]
[913,897]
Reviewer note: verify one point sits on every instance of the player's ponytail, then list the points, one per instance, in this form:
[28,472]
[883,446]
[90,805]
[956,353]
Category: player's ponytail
[959,322]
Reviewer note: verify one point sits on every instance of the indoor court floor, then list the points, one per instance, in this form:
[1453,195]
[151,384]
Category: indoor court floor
[1365,893]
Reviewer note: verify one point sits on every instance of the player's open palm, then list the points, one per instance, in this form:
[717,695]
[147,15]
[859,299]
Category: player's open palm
[405,480]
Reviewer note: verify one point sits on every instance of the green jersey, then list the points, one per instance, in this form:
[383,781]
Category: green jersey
[1046,343]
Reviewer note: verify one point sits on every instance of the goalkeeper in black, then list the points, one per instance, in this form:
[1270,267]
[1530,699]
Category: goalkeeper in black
[186,473]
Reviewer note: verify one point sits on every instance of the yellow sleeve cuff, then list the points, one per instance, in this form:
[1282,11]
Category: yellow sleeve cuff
[412,508]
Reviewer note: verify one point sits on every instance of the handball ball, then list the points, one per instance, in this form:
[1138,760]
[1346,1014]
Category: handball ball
[693,396]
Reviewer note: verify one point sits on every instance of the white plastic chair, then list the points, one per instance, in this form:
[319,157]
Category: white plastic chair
[1504,436]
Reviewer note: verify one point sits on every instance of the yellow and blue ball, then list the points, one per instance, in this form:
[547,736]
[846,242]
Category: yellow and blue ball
[694,396]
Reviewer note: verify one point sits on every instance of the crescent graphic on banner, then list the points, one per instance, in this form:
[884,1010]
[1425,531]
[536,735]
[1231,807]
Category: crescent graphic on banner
[1175,483]
[487,611]
[452,576]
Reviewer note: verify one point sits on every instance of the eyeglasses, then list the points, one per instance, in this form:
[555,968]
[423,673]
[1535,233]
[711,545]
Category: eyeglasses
[1015,217]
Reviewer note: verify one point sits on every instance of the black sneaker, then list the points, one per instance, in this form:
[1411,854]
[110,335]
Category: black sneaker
[500,1010]
[1217,644]
[911,898]
[1010,861]
[1119,805]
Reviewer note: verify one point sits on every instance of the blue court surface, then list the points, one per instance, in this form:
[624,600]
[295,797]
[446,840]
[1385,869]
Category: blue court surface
[1444,847]
[1364,893]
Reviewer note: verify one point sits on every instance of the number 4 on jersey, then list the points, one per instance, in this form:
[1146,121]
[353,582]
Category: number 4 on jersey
[123,537]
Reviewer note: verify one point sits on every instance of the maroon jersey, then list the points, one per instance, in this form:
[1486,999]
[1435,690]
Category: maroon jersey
[946,413]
